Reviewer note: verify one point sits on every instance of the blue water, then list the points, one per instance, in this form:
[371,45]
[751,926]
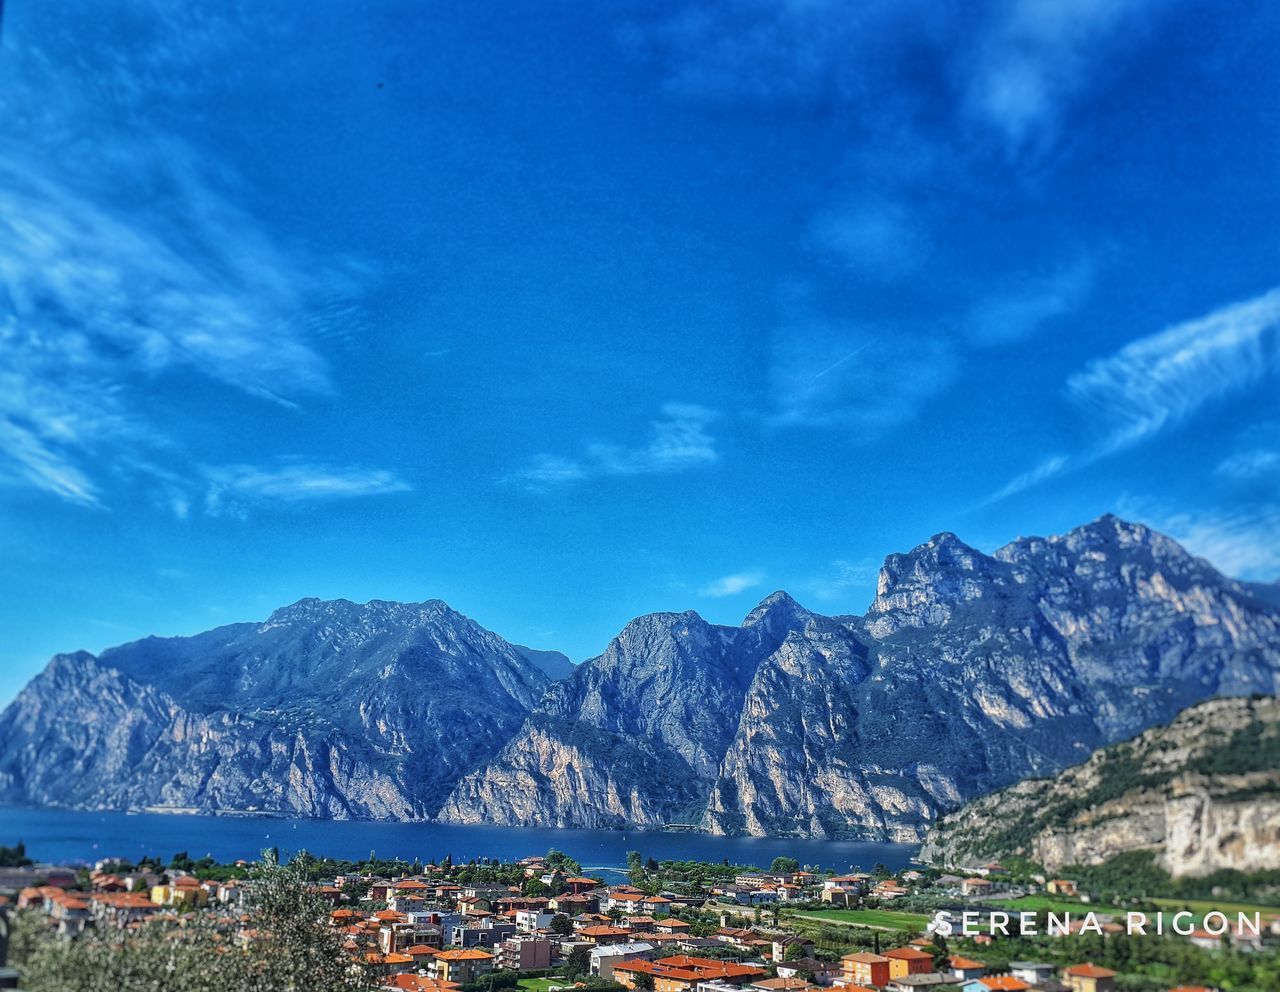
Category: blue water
[73,837]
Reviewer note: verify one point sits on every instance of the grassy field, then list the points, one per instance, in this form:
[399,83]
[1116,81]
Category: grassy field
[1202,906]
[1052,904]
[541,984]
[882,918]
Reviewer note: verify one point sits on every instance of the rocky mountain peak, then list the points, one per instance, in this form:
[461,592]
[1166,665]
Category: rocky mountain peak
[924,585]
[776,614]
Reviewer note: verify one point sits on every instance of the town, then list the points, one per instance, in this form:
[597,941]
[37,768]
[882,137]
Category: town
[543,924]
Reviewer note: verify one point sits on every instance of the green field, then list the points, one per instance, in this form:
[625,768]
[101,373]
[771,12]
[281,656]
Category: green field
[1053,904]
[542,984]
[882,918]
[1202,906]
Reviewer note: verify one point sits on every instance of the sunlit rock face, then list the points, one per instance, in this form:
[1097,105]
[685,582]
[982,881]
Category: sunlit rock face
[968,672]
[1201,794]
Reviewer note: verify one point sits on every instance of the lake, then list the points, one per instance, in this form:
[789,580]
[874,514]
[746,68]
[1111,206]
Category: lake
[69,836]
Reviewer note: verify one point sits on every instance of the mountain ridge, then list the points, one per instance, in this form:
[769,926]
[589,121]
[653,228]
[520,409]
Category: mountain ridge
[968,672]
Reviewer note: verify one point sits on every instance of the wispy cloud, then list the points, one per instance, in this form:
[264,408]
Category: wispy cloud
[678,440]
[232,487]
[1032,59]
[1161,380]
[134,266]
[1256,463]
[1240,542]
[732,585]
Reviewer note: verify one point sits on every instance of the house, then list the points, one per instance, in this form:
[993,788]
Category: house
[604,957]
[683,974]
[672,925]
[460,965]
[1204,938]
[485,933]
[529,920]
[908,961]
[931,982]
[782,945]
[626,899]
[995,983]
[604,934]
[964,969]
[1061,887]
[780,984]
[404,902]
[416,983]
[572,905]
[866,969]
[812,969]
[181,893]
[1031,972]
[976,887]
[578,884]
[889,889]
[1089,978]
[524,952]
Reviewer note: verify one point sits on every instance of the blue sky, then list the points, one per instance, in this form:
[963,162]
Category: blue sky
[566,313]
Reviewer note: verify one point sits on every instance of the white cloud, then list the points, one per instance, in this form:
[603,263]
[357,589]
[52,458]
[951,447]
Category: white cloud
[1239,542]
[1253,464]
[679,440]
[130,258]
[1161,380]
[231,487]
[732,585]
[1033,58]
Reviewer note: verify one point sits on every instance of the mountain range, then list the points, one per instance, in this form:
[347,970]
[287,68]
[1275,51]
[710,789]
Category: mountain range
[969,672]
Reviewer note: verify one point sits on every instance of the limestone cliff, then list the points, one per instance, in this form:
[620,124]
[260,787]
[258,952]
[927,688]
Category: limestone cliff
[1201,793]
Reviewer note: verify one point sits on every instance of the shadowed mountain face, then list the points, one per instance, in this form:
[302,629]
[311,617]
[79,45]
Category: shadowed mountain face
[326,709]
[967,673]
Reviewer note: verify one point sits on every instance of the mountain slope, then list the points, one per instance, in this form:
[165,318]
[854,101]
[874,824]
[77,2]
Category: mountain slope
[1203,793]
[326,709]
[969,672]
[632,738]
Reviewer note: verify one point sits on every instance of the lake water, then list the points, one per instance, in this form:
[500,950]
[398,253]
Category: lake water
[71,836]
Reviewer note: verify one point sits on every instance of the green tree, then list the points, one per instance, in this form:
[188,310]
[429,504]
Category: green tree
[785,866]
[578,962]
[635,867]
[562,925]
[293,948]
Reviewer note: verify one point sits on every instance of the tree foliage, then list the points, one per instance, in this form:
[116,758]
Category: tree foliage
[285,945]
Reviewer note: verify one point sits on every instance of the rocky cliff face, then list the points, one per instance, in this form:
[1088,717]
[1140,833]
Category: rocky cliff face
[1202,793]
[634,737]
[968,672]
[327,709]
